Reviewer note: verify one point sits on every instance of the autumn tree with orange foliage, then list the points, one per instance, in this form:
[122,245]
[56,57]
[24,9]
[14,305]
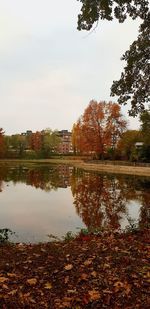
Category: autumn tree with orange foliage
[36,141]
[98,129]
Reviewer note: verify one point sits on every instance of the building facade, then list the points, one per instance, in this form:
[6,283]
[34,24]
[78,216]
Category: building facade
[65,146]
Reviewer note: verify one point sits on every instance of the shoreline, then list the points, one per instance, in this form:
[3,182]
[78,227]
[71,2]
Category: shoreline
[97,167]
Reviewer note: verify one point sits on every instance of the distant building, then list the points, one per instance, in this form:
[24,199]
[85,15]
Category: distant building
[65,146]
[27,133]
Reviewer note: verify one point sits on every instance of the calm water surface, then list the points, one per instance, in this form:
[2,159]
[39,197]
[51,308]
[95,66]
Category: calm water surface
[40,200]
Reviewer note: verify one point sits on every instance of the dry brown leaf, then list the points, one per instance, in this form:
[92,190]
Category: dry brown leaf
[106,265]
[128,289]
[26,295]
[3,279]
[11,275]
[66,279]
[66,304]
[94,295]
[13,292]
[84,276]
[32,281]
[94,274]
[119,284]
[88,262]
[71,291]
[4,286]
[68,267]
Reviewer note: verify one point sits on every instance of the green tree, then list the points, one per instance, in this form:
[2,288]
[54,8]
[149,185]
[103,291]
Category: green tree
[2,143]
[134,82]
[145,130]
[18,143]
[145,126]
[50,142]
[126,146]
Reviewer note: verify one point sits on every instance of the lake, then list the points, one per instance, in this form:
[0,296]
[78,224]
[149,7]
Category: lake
[41,200]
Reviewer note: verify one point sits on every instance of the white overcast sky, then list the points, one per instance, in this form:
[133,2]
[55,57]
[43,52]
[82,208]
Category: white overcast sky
[49,71]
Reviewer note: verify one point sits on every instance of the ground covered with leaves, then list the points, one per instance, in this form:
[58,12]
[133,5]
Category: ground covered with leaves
[105,271]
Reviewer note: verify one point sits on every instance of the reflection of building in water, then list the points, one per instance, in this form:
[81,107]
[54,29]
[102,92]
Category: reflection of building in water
[64,172]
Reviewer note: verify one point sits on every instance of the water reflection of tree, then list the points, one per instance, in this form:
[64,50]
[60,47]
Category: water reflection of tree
[101,200]
[98,200]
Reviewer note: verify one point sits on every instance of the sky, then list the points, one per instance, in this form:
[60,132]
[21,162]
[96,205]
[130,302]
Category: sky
[49,71]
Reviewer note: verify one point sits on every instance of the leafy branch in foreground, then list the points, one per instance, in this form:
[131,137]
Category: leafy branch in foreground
[134,84]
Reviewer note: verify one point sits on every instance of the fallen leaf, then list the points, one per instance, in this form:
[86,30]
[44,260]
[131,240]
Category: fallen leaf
[13,292]
[3,279]
[11,275]
[66,303]
[127,289]
[72,291]
[94,295]
[68,267]
[4,286]
[118,286]
[48,286]
[84,276]
[32,281]
[88,262]
[94,274]
[66,279]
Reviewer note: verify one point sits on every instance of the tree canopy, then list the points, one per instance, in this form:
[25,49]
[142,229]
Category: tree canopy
[145,126]
[98,128]
[134,83]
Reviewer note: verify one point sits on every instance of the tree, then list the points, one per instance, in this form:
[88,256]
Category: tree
[36,141]
[145,130]
[50,142]
[134,82]
[126,146]
[145,126]
[2,144]
[18,143]
[98,128]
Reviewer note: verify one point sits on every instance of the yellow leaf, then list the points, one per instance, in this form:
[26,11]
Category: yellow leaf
[68,267]
[32,281]
[48,286]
